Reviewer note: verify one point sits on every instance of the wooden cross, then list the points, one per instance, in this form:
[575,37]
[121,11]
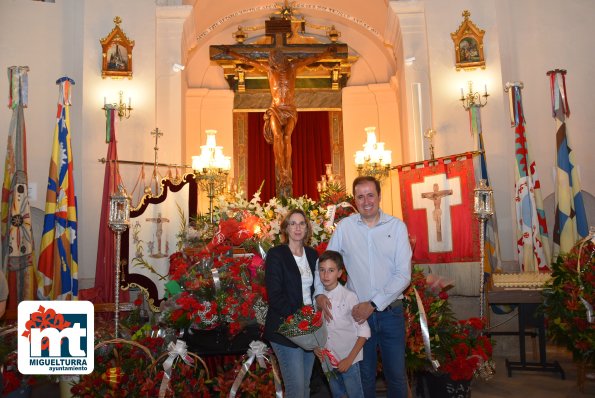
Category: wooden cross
[278,30]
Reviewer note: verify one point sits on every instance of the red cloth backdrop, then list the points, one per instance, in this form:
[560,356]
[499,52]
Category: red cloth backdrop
[311,150]
[460,235]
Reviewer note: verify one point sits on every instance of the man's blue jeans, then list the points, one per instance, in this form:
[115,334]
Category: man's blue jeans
[348,384]
[296,369]
[388,333]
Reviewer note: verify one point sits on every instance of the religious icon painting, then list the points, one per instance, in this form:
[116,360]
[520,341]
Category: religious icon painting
[116,53]
[437,203]
[155,233]
[468,41]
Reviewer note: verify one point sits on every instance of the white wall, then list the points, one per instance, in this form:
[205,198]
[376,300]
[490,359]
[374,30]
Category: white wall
[62,38]
[523,40]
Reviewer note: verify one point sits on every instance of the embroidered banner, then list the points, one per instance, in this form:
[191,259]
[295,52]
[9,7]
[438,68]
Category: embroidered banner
[437,202]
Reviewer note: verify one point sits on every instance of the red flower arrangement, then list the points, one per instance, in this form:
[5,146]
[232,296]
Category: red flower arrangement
[206,292]
[569,296]
[433,293]
[459,346]
[468,351]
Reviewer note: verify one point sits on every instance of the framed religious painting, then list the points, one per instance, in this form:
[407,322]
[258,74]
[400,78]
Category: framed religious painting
[468,41]
[156,229]
[116,53]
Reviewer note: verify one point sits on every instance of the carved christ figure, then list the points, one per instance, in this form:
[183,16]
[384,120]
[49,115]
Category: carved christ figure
[159,220]
[281,117]
[436,196]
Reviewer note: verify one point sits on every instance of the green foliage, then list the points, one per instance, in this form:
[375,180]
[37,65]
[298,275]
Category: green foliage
[566,297]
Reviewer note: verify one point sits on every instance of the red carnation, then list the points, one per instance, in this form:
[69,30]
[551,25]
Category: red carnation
[303,325]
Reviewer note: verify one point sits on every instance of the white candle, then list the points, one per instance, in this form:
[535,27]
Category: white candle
[104,101]
[129,102]
[462,95]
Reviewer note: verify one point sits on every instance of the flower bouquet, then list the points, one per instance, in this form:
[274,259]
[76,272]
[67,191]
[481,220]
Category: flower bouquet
[305,328]
[205,292]
[568,302]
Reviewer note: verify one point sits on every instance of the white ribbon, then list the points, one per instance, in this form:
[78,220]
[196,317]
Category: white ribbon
[175,350]
[425,331]
[216,279]
[259,351]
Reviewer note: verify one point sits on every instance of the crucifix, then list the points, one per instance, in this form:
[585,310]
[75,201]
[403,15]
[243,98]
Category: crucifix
[438,208]
[280,61]
[157,134]
[436,196]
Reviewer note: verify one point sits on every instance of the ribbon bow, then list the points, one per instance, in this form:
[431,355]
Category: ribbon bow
[259,351]
[174,351]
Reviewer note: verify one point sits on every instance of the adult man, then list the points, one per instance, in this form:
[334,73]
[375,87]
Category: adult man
[281,117]
[377,256]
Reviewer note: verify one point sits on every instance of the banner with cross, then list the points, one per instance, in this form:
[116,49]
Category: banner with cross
[437,203]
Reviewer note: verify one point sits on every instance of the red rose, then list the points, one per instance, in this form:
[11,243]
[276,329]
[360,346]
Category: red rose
[289,319]
[303,325]
[307,310]
[317,320]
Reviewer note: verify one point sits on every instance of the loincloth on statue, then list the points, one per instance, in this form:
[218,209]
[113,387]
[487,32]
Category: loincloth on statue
[283,113]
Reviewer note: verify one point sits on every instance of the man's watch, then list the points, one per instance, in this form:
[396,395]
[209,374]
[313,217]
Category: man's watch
[373,305]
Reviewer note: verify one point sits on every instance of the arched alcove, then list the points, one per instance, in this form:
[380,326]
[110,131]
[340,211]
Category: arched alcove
[373,95]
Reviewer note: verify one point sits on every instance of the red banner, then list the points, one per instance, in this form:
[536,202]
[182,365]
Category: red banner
[437,202]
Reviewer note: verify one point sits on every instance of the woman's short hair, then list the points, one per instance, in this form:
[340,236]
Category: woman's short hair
[285,226]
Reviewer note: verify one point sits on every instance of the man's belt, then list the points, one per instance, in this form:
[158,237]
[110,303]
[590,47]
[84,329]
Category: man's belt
[394,304]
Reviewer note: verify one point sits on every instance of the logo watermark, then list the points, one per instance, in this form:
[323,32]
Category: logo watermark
[56,337]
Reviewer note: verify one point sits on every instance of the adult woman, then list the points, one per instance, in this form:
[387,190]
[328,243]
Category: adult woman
[289,278]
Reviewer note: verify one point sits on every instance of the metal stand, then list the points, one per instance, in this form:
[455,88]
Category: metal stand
[527,301]
[523,365]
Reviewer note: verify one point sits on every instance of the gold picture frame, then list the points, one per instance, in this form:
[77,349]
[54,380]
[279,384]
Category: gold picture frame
[116,53]
[468,41]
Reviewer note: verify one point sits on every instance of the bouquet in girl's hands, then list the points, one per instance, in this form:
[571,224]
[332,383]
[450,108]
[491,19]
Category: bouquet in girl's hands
[306,329]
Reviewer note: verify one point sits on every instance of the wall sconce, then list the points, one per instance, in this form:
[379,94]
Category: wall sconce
[123,109]
[374,160]
[474,98]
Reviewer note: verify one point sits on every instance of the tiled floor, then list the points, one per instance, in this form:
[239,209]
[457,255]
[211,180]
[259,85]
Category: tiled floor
[534,384]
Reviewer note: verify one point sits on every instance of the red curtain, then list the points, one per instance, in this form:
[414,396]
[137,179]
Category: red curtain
[311,150]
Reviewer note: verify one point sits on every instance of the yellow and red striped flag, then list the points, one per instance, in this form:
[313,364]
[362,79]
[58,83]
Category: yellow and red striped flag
[58,258]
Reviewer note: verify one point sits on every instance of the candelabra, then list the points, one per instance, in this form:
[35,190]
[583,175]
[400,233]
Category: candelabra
[211,169]
[119,221]
[374,160]
[483,210]
[329,182]
[474,98]
[121,107]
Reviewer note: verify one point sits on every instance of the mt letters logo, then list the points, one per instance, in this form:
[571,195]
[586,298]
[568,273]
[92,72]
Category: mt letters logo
[56,337]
